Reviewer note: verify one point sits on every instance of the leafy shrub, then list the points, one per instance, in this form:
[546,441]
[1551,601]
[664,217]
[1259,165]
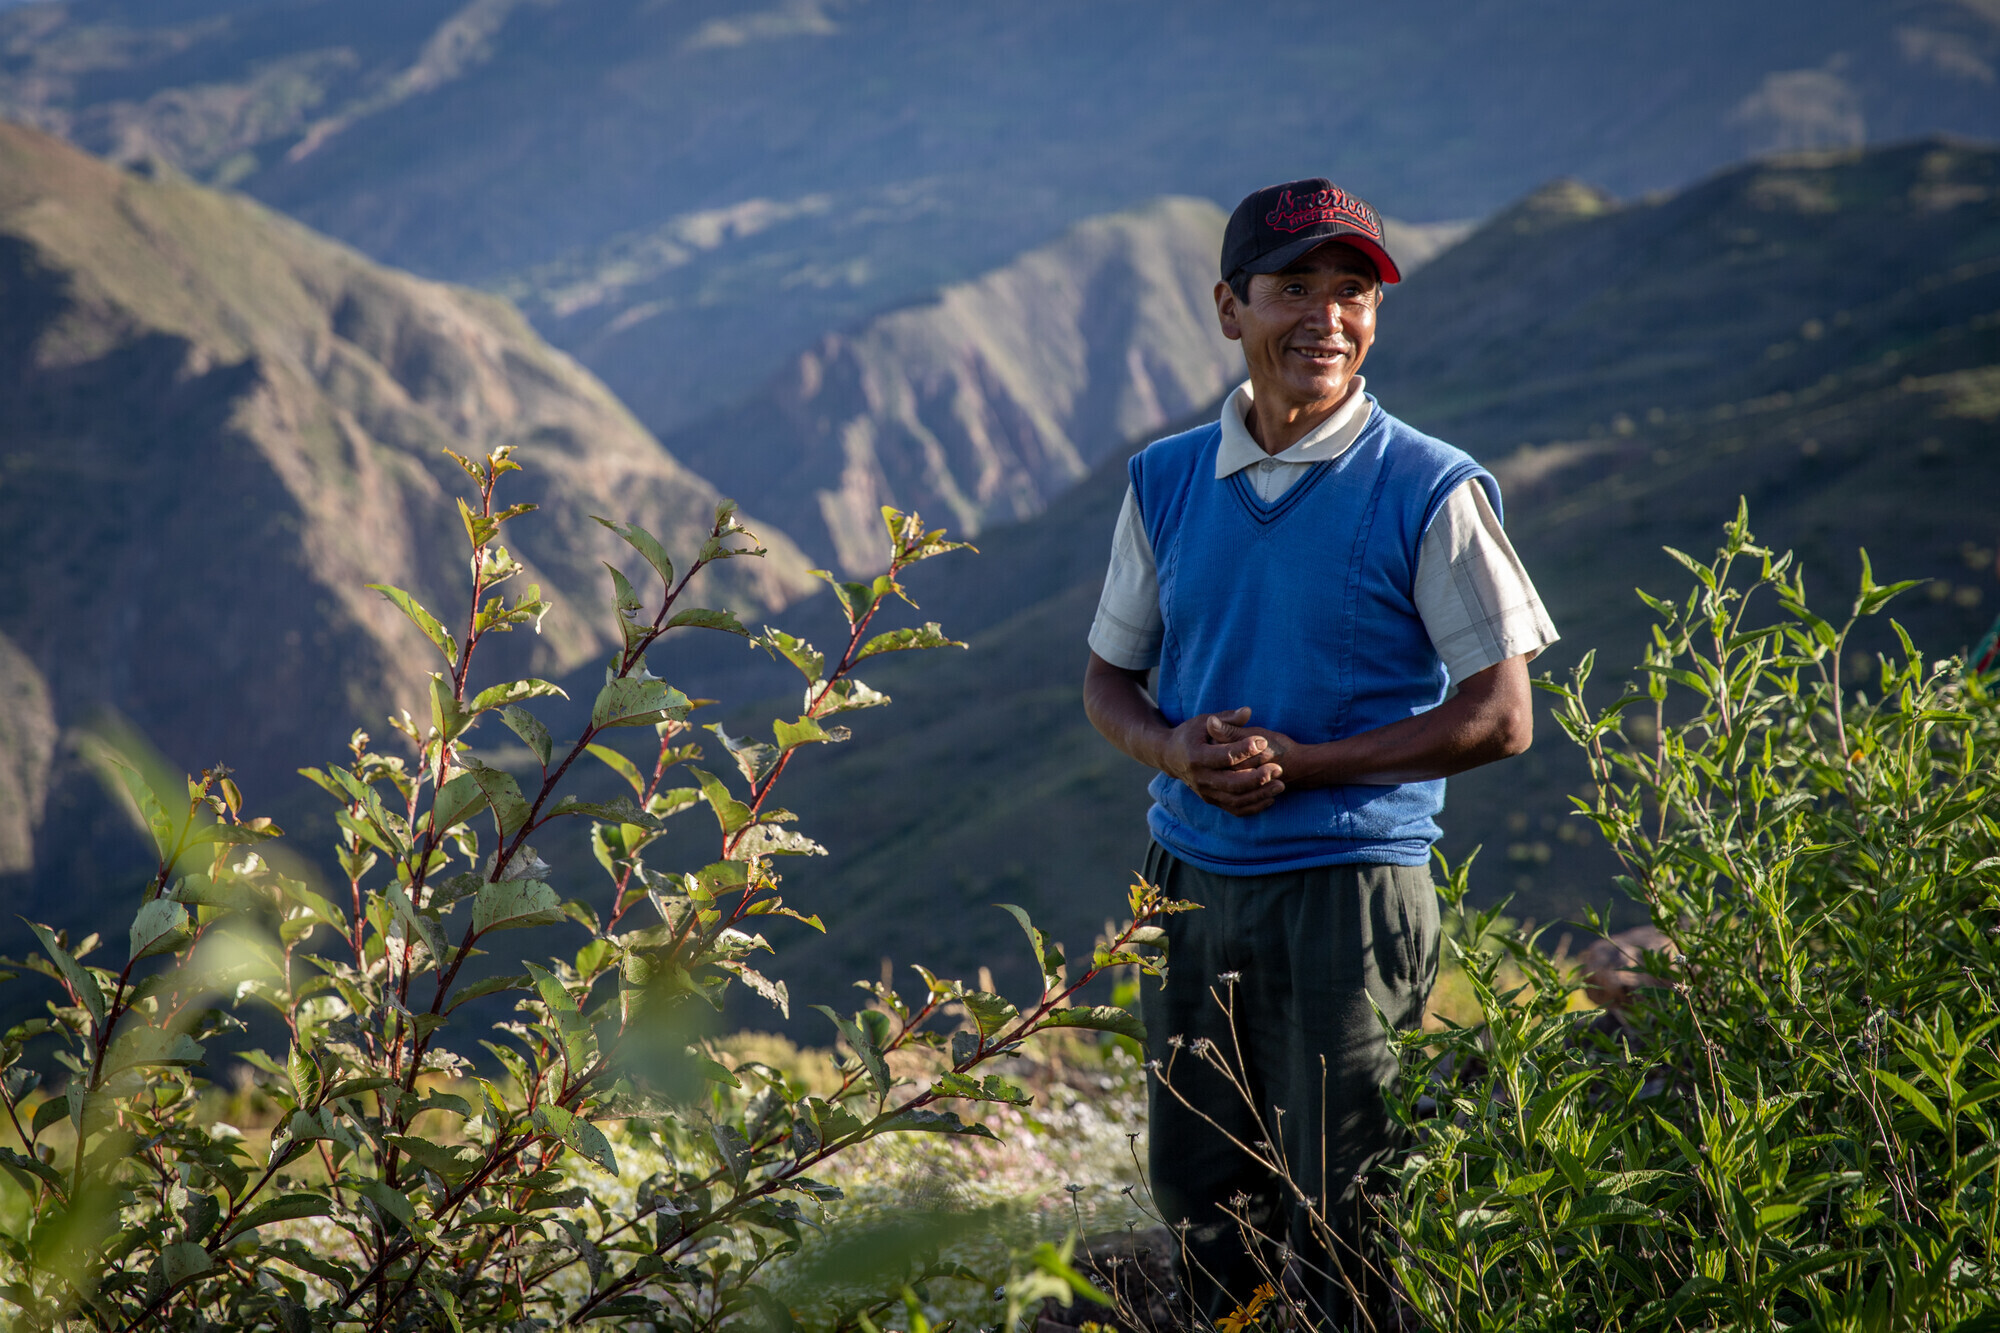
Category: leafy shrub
[404,1186]
[1795,1127]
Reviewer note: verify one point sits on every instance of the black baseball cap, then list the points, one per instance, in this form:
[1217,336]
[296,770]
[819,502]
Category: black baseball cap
[1278,223]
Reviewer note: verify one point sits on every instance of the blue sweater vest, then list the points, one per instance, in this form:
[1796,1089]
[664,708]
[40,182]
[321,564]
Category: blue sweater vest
[1302,609]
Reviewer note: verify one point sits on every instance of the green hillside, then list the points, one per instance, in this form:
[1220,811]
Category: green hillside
[217,428]
[687,195]
[1840,367]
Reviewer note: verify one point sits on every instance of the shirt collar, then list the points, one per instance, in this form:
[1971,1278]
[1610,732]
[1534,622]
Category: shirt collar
[1325,441]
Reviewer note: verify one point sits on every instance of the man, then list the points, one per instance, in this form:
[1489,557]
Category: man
[1309,576]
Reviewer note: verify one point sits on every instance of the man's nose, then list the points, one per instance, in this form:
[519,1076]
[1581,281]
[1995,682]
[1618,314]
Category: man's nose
[1323,313]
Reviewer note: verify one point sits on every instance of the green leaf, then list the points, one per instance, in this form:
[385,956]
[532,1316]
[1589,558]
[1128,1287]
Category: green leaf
[479,528]
[771,840]
[903,640]
[181,1262]
[645,544]
[717,546]
[354,1087]
[1684,677]
[989,1012]
[620,811]
[284,1208]
[731,1147]
[1048,956]
[847,694]
[423,619]
[79,978]
[703,618]
[307,1080]
[50,1111]
[457,801]
[514,903]
[1806,1265]
[451,1164]
[627,600]
[390,1200]
[446,715]
[622,766]
[731,813]
[530,729]
[806,731]
[1619,1182]
[568,1020]
[35,1166]
[1772,1214]
[577,1133]
[992,1089]
[487,986]
[909,540]
[1099,1018]
[510,808]
[1910,1094]
[631,702]
[235,835]
[754,759]
[922,1120]
[497,696]
[160,927]
[139,1047]
[150,808]
[869,1054]
[810,662]
[1597,1210]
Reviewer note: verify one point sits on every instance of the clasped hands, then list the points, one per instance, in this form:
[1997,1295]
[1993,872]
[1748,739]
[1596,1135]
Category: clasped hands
[1226,762]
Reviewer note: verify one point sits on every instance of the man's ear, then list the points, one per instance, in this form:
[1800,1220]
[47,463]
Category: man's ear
[1225,312]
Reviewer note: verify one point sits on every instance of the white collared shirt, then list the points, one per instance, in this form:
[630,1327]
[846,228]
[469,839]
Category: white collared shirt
[1474,598]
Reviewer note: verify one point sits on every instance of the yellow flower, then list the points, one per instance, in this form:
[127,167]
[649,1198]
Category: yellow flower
[1246,1315]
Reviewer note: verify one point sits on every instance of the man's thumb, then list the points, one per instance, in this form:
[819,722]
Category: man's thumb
[1222,726]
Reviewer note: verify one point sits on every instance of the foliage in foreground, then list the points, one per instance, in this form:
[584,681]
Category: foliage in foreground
[1796,1126]
[402,1188]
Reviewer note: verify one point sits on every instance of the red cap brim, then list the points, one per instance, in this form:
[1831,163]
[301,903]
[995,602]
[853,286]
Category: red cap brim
[1385,267]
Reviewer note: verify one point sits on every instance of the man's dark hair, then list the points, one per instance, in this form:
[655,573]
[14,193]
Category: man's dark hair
[1239,282]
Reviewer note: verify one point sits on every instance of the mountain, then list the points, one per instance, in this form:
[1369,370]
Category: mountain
[689,195]
[218,428]
[979,405]
[1819,333]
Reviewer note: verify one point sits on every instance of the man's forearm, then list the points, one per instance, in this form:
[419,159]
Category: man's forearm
[1117,705]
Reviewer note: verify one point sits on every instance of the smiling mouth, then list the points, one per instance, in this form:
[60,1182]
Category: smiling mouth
[1320,355]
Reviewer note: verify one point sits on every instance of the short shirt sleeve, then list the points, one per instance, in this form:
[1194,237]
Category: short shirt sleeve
[1476,601]
[1128,628]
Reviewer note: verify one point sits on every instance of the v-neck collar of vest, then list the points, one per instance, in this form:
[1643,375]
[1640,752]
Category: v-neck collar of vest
[1267,512]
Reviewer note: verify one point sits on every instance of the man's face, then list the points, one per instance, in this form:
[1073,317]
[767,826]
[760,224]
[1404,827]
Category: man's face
[1306,329]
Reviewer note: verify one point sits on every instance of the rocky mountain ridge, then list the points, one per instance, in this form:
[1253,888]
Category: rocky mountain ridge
[979,406]
[687,196]
[219,428]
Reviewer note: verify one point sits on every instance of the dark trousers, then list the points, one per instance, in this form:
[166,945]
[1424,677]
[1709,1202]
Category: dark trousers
[1278,972]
